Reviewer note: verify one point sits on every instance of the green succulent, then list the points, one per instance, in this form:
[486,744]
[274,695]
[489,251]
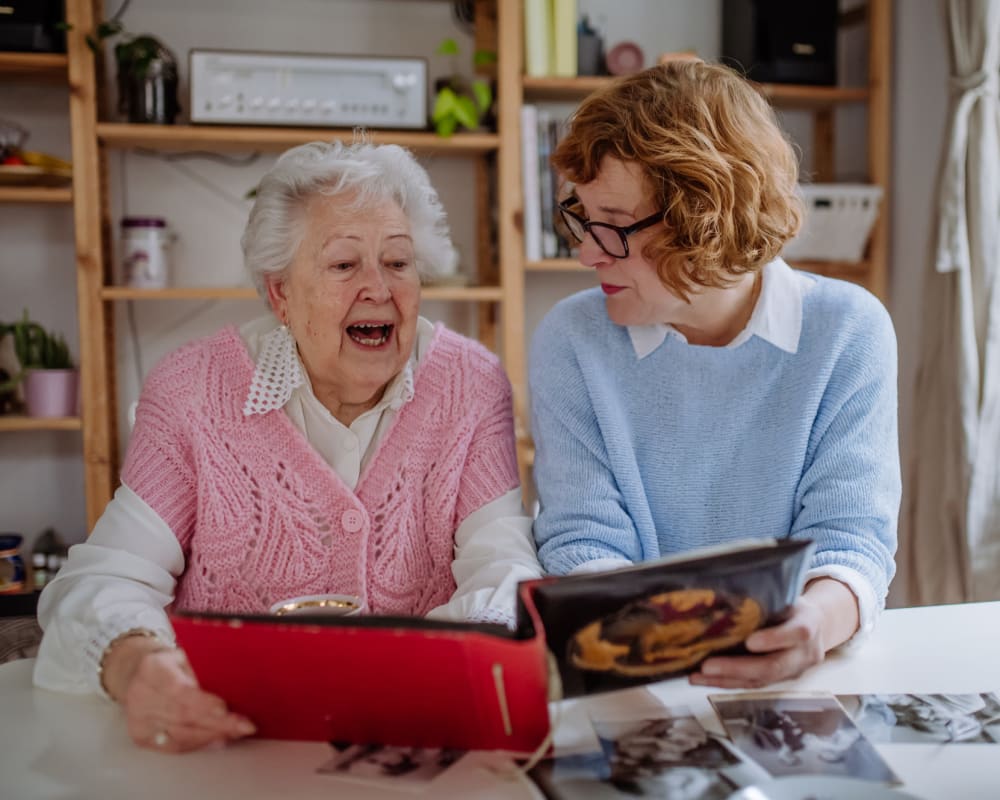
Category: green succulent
[462,103]
[35,348]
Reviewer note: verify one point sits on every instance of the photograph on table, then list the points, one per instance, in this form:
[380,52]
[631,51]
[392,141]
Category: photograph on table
[663,756]
[926,718]
[800,734]
[402,767]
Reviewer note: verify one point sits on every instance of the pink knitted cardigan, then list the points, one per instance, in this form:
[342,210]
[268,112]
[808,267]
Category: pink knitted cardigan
[261,517]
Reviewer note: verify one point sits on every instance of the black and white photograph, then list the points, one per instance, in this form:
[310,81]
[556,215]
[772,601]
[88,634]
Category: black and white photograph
[404,767]
[926,718]
[800,734]
[666,756]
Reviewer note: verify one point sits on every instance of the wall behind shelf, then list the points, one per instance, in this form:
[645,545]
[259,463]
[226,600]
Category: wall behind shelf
[41,473]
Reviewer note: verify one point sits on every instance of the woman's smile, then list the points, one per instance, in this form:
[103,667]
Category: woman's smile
[370,335]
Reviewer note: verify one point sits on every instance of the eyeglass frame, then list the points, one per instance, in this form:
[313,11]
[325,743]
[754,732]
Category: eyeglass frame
[623,231]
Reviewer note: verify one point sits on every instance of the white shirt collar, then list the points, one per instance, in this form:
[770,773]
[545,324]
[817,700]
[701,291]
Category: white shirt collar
[279,371]
[777,317]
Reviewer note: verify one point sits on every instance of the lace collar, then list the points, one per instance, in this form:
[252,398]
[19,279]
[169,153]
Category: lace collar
[279,371]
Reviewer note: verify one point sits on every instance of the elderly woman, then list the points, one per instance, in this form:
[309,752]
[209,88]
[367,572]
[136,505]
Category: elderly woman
[342,445]
[707,392]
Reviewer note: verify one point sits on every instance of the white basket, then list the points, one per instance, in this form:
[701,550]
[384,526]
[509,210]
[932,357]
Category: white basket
[838,220]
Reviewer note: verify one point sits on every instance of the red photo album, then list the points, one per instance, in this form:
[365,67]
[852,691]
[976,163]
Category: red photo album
[424,683]
[395,681]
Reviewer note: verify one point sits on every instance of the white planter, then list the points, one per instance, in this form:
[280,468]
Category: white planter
[51,392]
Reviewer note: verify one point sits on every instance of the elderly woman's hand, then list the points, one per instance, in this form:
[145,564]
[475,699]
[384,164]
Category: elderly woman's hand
[825,616]
[164,707]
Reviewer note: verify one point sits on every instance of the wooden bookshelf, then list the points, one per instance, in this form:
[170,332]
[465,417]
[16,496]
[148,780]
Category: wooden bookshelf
[556,265]
[16,422]
[36,194]
[480,294]
[218,138]
[781,95]
[46,67]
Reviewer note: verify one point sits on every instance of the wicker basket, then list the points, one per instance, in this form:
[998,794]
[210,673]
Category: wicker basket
[839,218]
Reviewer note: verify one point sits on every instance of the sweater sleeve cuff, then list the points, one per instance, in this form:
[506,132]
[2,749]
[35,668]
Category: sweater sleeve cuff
[599,565]
[96,644]
[868,604]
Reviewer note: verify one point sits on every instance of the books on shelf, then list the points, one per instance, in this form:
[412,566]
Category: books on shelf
[530,183]
[550,38]
[426,683]
[540,133]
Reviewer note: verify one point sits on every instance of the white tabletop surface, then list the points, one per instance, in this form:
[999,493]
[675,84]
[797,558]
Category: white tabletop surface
[67,747]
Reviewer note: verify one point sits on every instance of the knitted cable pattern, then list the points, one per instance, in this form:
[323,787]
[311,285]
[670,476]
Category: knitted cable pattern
[261,517]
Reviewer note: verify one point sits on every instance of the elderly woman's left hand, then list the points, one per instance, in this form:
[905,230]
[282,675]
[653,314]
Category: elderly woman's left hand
[825,616]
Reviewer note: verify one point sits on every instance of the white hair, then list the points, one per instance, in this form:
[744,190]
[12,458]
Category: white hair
[372,173]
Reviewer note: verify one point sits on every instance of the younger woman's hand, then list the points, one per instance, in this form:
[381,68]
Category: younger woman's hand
[776,654]
[825,616]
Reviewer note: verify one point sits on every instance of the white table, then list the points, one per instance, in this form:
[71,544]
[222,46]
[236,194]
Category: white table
[62,746]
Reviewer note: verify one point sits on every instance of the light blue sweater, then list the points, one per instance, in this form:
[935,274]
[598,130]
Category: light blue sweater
[694,446]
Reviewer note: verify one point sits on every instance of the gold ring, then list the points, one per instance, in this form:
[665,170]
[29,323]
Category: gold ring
[161,738]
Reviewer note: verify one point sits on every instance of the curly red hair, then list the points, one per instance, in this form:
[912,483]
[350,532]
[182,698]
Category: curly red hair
[714,158]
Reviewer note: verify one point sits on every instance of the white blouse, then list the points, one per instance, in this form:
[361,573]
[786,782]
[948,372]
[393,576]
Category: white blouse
[124,575]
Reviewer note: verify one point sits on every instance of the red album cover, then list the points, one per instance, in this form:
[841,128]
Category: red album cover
[394,681]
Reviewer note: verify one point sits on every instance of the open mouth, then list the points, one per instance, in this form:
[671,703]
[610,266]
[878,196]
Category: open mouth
[370,334]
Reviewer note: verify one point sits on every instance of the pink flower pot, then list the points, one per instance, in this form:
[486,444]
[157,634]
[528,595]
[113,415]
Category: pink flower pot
[51,392]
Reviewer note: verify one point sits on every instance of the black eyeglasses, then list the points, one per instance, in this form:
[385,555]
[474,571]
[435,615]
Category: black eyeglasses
[612,239]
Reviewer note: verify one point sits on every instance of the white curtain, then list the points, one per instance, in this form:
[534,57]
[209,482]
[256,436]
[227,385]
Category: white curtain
[954,487]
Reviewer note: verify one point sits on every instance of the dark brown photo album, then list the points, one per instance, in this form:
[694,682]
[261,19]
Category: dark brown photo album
[659,619]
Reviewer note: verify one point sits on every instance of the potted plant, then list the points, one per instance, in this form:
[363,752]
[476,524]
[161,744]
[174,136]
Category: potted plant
[147,71]
[459,102]
[47,372]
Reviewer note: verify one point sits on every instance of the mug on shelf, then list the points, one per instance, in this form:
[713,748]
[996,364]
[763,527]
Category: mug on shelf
[145,243]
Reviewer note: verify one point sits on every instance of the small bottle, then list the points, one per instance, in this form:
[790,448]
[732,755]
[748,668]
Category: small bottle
[144,244]
[41,574]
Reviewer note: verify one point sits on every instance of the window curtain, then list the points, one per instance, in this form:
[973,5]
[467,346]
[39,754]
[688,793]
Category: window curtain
[953,489]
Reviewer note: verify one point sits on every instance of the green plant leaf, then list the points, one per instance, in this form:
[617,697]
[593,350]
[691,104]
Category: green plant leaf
[446,126]
[483,94]
[448,47]
[482,58]
[106,29]
[444,104]
[465,113]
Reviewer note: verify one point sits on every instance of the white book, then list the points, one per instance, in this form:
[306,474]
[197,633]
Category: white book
[529,184]
[537,38]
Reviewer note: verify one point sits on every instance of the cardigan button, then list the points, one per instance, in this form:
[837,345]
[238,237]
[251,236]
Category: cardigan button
[352,520]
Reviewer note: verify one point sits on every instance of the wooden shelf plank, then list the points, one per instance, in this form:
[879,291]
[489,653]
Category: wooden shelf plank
[834,269]
[482,294]
[36,194]
[243,138]
[34,66]
[556,265]
[793,96]
[180,293]
[16,422]
[782,95]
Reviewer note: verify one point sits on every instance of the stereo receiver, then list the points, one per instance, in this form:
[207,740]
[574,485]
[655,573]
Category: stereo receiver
[256,88]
